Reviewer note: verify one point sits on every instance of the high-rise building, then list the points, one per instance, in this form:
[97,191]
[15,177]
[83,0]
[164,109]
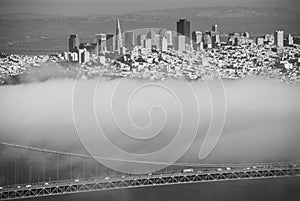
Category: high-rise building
[184,28]
[290,40]
[147,45]
[181,42]
[119,42]
[279,38]
[140,39]
[73,43]
[197,36]
[151,35]
[156,44]
[83,56]
[197,39]
[215,39]
[169,36]
[214,28]
[101,42]
[129,40]
[110,45]
[163,44]
[215,36]
[207,42]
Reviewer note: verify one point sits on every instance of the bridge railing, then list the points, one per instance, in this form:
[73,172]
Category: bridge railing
[173,169]
[143,176]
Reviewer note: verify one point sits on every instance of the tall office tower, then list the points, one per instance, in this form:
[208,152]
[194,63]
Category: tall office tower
[290,40]
[163,43]
[73,43]
[215,39]
[151,35]
[156,43]
[83,56]
[197,39]
[119,42]
[184,28]
[101,42]
[279,37]
[181,42]
[110,45]
[147,45]
[140,39]
[129,40]
[169,36]
[207,41]
[214,28]
[215,36]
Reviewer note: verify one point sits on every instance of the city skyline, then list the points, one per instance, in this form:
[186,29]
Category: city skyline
[122,44]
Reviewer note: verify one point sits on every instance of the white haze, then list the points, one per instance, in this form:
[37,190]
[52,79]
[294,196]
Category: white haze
[262,120]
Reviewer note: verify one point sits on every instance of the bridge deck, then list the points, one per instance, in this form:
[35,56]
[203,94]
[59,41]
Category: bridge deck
[67,187]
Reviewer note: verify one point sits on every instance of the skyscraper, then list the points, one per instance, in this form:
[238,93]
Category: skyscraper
[73,43]
[147,45]
[184,28]
[156,44]
[215,39]
[214,28]
[290,40]
[169,36]
[181,43]
[215,36]
[100,40]
[119,42]
[83,56]
[129,40]
[110,46]
[140,39]
[207,41]
[279,38]
[197,39]
[151,35]
[163,43]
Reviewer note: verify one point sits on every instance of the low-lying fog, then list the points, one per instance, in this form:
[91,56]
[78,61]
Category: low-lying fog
[156,120]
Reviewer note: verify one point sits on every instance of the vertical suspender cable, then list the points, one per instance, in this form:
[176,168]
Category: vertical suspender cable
[29,167]
[16,166]
[71,168]
[57,170]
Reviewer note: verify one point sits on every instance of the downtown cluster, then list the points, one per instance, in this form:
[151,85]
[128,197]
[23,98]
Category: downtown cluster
[159,54]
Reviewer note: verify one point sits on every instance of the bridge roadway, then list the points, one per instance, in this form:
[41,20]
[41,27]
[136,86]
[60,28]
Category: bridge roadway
[171,178]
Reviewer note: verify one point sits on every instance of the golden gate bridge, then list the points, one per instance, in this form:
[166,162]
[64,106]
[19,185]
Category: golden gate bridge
[101,178]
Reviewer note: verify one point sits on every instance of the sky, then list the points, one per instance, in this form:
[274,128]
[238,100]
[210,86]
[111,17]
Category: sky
[106,7]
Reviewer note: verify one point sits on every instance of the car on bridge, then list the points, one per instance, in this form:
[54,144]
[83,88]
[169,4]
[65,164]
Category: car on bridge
[188,170]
